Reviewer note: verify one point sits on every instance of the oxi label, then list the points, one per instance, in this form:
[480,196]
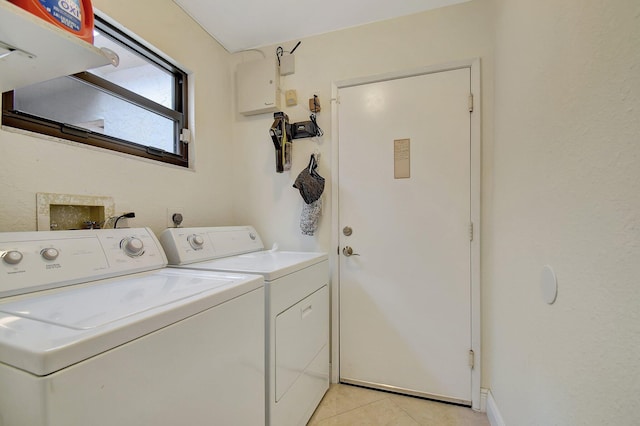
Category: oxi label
[67,12]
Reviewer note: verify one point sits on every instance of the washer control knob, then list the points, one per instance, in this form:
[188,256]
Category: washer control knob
[12,257]
[49,253]
[132,246]
[195,241]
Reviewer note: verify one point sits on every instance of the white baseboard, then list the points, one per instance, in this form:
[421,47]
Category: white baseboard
[483,399]
[495,418]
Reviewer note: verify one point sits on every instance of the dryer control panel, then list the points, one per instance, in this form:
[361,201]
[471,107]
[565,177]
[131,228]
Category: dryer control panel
[32,261]
[188,245]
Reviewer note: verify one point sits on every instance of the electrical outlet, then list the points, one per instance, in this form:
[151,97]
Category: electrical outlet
[175,215]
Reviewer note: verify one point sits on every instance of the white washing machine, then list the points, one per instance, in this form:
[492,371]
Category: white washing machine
[296,306]
[94,330]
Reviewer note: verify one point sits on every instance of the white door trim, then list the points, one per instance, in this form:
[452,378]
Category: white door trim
[474,65]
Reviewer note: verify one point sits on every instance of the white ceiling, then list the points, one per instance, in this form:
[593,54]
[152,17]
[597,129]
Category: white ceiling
[245,24]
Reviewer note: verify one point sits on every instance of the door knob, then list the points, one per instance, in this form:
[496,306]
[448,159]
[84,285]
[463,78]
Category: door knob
[348,251]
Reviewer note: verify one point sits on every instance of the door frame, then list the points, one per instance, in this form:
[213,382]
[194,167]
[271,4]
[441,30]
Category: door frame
[475,189]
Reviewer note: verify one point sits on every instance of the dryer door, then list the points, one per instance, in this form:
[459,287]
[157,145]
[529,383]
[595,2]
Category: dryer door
[302,331]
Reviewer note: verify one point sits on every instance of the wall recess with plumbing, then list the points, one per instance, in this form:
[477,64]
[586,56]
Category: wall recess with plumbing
[68,211]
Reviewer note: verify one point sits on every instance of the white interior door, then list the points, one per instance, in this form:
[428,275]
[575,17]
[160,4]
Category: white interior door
[404,192]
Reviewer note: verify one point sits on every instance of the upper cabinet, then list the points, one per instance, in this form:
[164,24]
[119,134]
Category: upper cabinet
[32,50]
[258,86]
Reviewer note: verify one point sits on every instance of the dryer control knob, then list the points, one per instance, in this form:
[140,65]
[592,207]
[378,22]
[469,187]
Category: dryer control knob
[196,241]
[12,257]
[49,253]
[132,246]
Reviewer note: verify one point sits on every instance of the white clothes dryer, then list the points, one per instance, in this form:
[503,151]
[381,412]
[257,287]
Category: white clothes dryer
[296,307]
[94,330]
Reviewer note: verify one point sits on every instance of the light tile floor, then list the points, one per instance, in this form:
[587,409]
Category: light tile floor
[345,405]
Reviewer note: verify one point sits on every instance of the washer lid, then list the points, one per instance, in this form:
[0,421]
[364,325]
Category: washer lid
[270,264]
[44,333]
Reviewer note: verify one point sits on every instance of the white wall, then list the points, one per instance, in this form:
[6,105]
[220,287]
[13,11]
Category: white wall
[566,192]
[266,199]
[29,165]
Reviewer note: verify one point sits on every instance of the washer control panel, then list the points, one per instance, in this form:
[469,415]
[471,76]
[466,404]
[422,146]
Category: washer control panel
[32,261]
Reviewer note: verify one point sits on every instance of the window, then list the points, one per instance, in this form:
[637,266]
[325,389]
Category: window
[139,108]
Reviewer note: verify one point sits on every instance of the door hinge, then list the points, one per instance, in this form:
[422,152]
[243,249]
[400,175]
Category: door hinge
[472,358]
[471,231]
[470,102]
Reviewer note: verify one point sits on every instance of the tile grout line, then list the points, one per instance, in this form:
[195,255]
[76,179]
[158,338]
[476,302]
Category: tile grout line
[357,408]
[405,411]
[392,398]
[416,421]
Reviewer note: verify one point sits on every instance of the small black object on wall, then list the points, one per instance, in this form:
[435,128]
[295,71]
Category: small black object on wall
[281,137]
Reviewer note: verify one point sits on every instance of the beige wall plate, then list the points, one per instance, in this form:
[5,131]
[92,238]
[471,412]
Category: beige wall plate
[291,97]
